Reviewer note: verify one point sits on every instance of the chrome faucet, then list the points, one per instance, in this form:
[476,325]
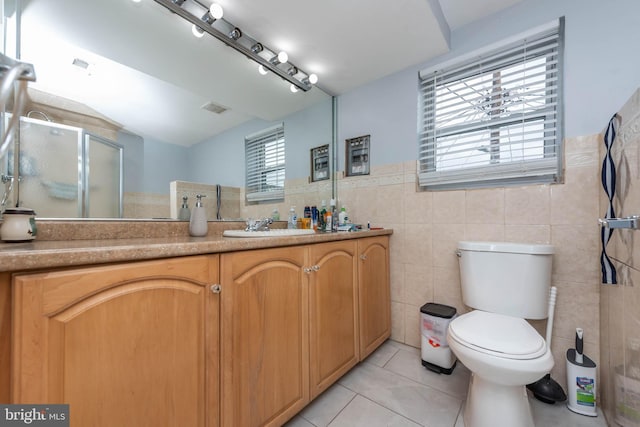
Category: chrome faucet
[258,224]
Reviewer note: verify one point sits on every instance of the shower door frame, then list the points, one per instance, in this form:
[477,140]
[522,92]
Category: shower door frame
[84,167]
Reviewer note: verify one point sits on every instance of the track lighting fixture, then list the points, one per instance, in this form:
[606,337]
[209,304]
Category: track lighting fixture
[210,21]
[235,34]
[280,58]
[257,48]
[311,79]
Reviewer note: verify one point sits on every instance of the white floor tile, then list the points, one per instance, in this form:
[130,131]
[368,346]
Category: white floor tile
[298,421]
[384,353]
[558,415]
[409,365]
[420,403]
[362,412]
[392,388]
[327,406]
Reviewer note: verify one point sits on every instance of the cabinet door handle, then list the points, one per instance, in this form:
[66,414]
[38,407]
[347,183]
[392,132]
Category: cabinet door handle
[307,270]
[315,267]
[216,289]
[363,257]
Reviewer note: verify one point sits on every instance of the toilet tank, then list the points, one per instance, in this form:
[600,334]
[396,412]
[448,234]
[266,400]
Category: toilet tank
[506,278]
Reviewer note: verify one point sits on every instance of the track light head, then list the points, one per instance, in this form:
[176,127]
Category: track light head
[235,34]
[257,48]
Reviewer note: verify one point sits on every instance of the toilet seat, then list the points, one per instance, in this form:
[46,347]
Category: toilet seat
[498,335]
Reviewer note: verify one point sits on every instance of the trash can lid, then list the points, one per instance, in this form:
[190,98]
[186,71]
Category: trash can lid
[438,310]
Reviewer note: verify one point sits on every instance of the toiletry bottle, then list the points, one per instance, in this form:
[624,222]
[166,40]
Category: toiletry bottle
[334,215]
[198,225]
[342,217]
[293,218]
[322,216]
[275,215]
[328,221]
[185,213]
[314,218]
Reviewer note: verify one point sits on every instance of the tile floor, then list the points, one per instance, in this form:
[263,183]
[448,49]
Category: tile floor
[392,388]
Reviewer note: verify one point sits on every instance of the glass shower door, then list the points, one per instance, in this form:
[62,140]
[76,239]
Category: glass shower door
[103,177]
[67,172]
[50,168]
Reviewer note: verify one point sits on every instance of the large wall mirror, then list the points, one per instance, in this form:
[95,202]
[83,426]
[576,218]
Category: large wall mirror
[125,87]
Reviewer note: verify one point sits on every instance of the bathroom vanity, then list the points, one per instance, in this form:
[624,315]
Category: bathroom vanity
[191,331]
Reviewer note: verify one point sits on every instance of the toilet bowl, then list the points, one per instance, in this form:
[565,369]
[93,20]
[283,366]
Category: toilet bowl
[500,367]
[505,283]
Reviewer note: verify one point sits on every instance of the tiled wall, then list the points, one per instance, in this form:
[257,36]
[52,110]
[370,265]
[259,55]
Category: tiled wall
[151,205]
[229,199]
[427,226]
[620,304]
[298,192]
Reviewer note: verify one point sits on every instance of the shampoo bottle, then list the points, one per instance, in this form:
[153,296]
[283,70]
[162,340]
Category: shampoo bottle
[328,222]
[322,216]
[342,217]
[293,218]
[334,216]
[198,226]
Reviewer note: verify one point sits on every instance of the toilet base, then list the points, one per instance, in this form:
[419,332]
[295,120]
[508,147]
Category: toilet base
[494,405]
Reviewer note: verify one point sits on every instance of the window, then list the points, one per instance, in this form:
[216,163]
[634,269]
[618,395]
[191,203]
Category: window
[495,118]
[264,156]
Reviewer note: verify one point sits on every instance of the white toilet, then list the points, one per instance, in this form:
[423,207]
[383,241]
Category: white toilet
[505,283]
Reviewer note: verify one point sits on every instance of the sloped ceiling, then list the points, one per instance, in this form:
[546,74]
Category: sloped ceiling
[149,73]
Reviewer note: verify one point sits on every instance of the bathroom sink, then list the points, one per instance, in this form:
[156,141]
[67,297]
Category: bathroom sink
[271,233]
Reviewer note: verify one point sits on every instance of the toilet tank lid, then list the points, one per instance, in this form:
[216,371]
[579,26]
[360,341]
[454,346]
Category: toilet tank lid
[519,248]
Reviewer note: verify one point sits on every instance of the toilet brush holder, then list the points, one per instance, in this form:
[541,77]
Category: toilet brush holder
[581,380]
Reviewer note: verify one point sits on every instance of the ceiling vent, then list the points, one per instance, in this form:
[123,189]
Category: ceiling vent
[80,63]
[214,108]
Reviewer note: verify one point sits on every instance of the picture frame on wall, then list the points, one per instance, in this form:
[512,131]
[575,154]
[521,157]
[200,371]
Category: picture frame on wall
[320,163]
[357,155]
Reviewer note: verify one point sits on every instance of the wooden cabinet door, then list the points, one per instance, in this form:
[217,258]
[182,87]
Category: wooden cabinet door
[333,313]
[264,336]
[374,293]
[124,345]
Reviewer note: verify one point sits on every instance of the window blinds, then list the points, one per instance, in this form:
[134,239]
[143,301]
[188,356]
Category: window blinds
[495,118]
[265,164]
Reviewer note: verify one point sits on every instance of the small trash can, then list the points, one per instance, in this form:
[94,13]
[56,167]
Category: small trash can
[436,354]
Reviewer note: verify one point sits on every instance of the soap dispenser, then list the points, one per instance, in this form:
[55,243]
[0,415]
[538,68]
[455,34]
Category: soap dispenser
[198,226]
[185,213]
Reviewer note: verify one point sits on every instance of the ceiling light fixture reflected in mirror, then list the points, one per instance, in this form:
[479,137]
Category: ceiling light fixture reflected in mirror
[257,48]
[312,79]
[232,36]
[280,58]
[235,34]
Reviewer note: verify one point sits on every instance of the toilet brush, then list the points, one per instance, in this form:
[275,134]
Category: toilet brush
[546,389]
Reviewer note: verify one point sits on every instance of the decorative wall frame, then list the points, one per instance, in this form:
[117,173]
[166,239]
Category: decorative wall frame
[357,155]
[320,163]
